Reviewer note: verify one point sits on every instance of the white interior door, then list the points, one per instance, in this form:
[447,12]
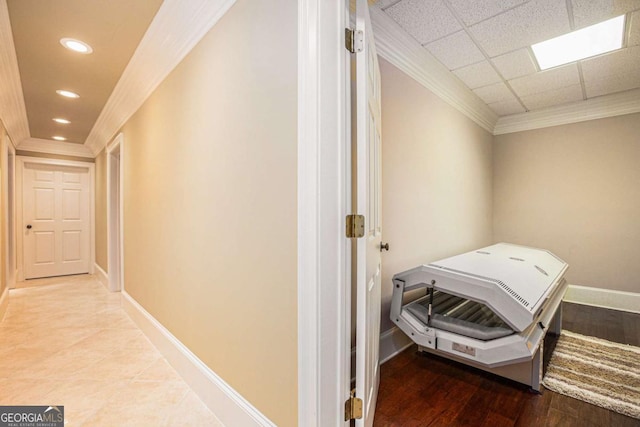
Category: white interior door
[56,220]
[368,204]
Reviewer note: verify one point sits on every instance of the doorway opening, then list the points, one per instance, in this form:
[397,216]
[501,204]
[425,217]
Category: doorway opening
[10,226]
[114,214]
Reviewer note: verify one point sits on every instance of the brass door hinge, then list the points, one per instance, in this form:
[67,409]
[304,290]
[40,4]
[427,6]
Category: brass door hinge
[353,407]
[353,40]
[355,226]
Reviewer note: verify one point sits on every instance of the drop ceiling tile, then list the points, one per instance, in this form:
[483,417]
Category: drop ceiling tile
[611,73]
[612,84]
[588,12]
[426,21]
[552,79]
[522,26]
[505,108]
[472,12]
[477,75]
[619,62]
[386,3]
[553,97]
[515,64]
[498,92]
[464,53]
[634,30]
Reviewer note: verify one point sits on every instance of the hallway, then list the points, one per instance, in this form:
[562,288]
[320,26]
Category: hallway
[69,342]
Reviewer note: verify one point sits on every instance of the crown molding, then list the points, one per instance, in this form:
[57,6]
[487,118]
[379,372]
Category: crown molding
[12,109]
[50,146]
[616,104]
[175,30]
[403,51]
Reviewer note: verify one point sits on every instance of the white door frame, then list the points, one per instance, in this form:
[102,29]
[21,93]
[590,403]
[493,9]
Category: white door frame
[324,253]
[115,214]
[9,190]
[21,160]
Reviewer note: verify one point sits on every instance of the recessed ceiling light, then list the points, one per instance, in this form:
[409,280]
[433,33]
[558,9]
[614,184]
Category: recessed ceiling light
[59,138]
[67,93]
[63,121]
[589,41]
[76,45]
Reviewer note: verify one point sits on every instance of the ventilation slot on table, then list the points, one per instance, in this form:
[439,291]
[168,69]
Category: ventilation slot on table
[541,270]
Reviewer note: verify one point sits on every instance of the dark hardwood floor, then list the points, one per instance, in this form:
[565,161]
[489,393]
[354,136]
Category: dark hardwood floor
[427,390]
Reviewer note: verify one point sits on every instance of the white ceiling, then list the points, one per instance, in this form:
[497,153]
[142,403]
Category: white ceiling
[113,28]
[486,44]
[483,43]
[173,32]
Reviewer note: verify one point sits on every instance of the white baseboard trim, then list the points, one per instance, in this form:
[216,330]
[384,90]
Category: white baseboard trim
[226,403]
[605,298]
[392,343]
[4,303]
[101,275]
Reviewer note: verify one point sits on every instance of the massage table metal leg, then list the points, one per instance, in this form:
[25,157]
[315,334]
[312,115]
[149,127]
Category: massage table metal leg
[536,368]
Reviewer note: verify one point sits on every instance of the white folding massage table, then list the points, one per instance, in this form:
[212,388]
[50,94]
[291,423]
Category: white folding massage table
[488,308]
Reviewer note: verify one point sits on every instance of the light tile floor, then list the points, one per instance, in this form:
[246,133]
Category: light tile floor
[67,341]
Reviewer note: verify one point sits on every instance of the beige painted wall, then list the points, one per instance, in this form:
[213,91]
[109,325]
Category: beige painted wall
[210,204]
[101,211]
[436,179]
[574,189]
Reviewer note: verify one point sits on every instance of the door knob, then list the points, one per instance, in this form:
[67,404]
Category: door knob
[29,227]
[384,246]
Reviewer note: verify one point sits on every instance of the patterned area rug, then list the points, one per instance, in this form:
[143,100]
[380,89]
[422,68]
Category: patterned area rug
[599,372]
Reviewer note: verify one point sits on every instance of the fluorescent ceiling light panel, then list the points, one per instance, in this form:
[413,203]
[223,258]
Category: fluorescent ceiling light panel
[59,138]
[62,121]
[589,41]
